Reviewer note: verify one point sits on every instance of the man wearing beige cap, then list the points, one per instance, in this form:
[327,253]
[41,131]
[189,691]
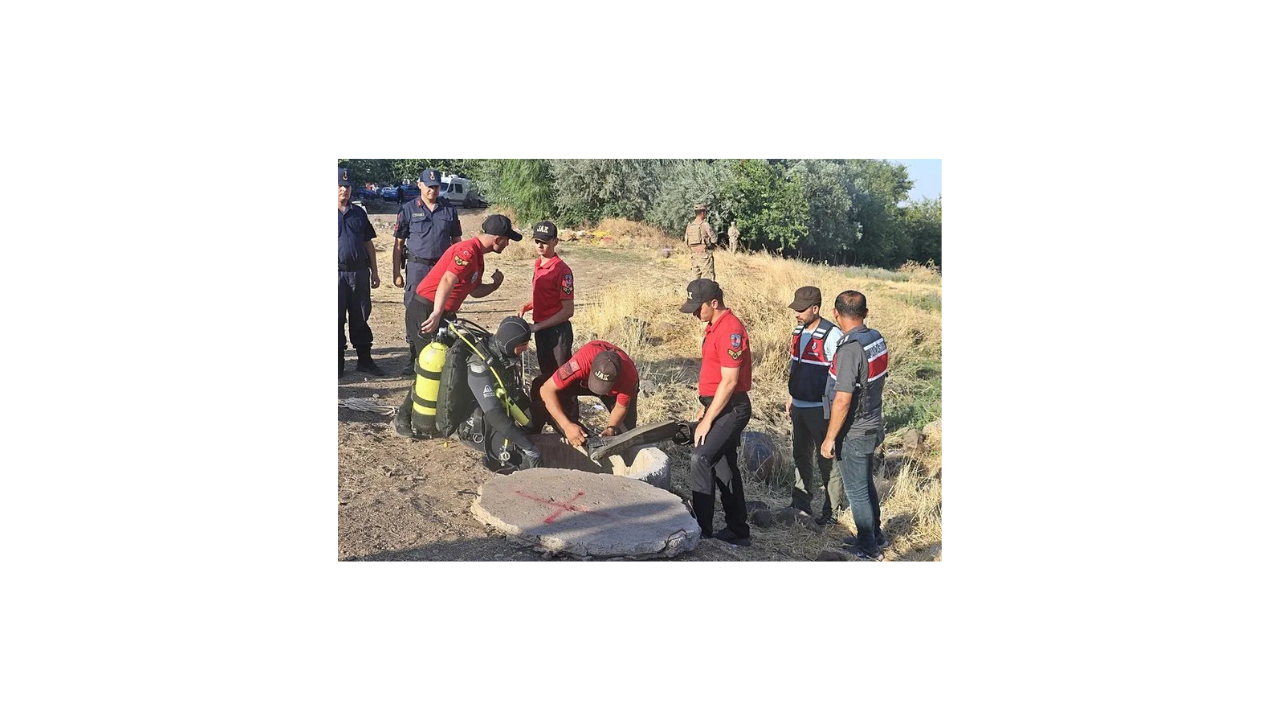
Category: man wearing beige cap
[699,236]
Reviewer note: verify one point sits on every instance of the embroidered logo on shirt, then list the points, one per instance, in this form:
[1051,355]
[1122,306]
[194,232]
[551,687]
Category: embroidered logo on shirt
[567,285]
[459,261]
[568,370]
[735,346]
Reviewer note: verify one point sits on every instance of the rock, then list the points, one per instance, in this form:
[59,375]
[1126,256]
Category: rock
[664,253]
[933,432]
[808,523]
[344,497]
[911,439]
[647,464]
[831,555]
[761,458]
[756,505]
[762,518]
[648,387]
[787,516]
[581,514]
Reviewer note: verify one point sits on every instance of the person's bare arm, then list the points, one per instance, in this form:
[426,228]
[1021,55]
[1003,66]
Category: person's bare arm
[442,293]
[564,313]
[616,416]
[572,432]
[839,411]
[485,290]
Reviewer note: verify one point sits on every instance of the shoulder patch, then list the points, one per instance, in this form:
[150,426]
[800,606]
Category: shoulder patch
[567,285]
[459,261]
[568,370]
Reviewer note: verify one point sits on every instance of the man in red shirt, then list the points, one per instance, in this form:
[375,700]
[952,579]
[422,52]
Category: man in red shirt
[723,383]
[600,368]
[455,276]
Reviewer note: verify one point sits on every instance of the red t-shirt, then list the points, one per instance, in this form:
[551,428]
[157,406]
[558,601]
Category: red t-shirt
[579,367]
[464,259]
[552,284]
[725,345]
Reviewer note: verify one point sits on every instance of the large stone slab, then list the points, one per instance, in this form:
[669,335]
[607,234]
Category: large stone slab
[647,464]
[583,514]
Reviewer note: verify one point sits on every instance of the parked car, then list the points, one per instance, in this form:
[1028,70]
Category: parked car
[391,192]
[365,194]
[409,192]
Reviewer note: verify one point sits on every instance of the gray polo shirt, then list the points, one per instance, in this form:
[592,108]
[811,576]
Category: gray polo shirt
[851,377]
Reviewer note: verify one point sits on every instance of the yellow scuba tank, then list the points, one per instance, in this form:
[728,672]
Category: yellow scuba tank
[426,384]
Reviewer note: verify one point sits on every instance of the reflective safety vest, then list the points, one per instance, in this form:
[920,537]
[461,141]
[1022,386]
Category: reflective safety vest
[810,364]
[869,389]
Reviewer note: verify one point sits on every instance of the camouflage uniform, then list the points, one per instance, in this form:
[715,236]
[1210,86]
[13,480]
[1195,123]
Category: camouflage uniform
[733,237]
[699,236]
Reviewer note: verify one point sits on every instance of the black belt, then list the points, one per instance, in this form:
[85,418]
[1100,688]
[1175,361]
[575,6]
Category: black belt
[420,260]
[735,399]
[352,267]
[424,301]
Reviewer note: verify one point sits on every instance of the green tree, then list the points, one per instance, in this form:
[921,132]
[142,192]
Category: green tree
[923,219]
[681,184]
[588,190]
[832,229]
[524,185]
[876,188]
[770,206]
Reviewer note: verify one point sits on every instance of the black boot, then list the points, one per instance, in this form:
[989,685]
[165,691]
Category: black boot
[366,363]
[801,501]
[404,417]
[826,512]
[408,369]
[704,509]
[342,363]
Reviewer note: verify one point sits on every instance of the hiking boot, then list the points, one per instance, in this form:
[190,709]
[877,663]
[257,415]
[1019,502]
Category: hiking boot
[863,555]
[404,418]
[731,537]
[366,364]
[826,519]
[852,541]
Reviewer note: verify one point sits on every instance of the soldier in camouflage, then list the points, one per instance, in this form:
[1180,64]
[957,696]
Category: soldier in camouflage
[733,236]
[700,238]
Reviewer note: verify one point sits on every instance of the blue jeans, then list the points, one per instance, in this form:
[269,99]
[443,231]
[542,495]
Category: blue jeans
[860,488]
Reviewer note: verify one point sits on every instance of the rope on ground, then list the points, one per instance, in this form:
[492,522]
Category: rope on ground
[366,405]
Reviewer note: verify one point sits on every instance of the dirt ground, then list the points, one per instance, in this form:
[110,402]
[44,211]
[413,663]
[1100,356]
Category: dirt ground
[400,499]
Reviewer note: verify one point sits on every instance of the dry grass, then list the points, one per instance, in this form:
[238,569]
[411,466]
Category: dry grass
[628,233]
[758,288]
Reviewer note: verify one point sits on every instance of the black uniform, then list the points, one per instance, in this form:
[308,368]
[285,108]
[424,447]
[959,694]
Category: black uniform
[354,301]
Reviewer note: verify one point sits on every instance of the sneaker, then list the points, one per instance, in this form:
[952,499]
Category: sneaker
[826,519]
[852,541]
[862,555]
[731,537]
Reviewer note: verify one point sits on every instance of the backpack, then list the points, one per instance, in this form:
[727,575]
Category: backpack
[454,404]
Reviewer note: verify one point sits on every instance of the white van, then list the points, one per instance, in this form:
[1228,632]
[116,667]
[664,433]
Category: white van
[458,190]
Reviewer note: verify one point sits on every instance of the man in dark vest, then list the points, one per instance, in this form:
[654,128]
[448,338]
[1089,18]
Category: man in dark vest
[813,346]
[855,389]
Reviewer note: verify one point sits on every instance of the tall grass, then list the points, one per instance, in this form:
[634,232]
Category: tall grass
[758,288]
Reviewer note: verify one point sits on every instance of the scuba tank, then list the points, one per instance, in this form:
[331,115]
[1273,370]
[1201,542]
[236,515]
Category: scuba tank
[426,384]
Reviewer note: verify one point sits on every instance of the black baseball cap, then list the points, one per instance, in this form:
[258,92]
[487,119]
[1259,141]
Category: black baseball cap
[430,178]
[700,291]
[545,230]
[343,178]
[500,225]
